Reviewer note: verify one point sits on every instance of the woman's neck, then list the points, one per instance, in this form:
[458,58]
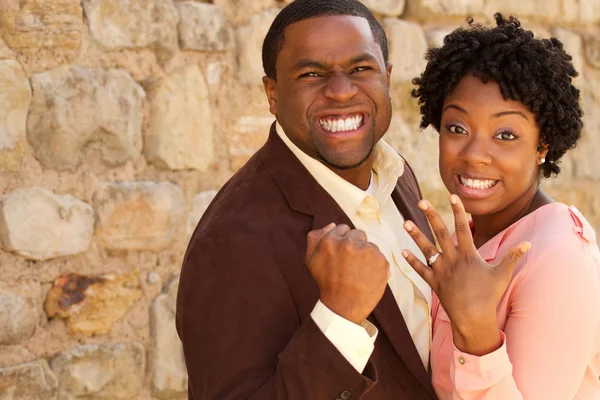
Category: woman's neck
[488,226]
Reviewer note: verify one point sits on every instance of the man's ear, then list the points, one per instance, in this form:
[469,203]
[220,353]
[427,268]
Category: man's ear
[388,67]
[270,86]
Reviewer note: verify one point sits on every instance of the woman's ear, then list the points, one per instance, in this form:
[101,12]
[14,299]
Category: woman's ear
[542,152]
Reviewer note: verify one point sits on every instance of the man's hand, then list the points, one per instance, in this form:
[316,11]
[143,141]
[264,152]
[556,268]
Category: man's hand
[351,272]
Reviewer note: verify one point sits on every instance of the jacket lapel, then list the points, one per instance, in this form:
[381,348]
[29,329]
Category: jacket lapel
[305,195]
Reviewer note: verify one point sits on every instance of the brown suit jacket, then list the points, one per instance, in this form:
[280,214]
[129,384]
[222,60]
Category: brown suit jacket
[245,295]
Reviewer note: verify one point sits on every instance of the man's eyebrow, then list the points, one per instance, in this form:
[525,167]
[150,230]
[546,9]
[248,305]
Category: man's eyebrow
[362,58]
[512,112]
[307,63]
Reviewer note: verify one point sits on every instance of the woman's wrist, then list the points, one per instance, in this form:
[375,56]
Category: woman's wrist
[477,340]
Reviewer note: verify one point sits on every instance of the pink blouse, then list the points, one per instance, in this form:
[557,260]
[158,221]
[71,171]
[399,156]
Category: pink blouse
[549,318]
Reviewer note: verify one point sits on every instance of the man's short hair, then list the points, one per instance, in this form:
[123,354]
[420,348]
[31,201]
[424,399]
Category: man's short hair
[300,10]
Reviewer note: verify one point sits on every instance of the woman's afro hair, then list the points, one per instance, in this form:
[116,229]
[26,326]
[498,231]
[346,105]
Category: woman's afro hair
[535,72]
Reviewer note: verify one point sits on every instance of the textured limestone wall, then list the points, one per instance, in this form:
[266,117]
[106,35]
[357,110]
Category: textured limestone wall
[119,119]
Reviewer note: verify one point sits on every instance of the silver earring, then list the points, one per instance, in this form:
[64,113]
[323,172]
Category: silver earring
[543,160]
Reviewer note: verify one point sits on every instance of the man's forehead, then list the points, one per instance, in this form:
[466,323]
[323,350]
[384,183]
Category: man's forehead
[320,35]
[336,25]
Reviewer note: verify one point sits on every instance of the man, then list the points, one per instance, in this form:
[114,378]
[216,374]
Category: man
[267,310]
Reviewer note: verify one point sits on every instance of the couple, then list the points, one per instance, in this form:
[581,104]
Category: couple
[307,276]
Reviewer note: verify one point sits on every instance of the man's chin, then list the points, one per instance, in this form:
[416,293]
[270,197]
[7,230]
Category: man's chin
[344,163]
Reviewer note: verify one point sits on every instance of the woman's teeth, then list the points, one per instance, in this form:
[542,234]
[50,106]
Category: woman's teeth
[341,124]
[477,183]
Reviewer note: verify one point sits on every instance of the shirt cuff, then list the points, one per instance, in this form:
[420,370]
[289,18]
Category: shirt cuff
[471,372]
[355,342]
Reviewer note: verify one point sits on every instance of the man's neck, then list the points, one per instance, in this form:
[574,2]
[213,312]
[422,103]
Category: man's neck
[359,176]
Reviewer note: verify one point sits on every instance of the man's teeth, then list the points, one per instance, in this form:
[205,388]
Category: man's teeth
[477,183]
[341,124]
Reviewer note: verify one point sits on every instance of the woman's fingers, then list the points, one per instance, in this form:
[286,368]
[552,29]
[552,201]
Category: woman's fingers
[461,226]
[427,248]
[426,273]
[438,226]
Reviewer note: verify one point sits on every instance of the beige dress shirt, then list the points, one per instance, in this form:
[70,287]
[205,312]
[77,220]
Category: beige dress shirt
[374,212]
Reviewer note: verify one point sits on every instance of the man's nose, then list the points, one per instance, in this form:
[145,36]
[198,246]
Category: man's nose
[477,151]
[340,87]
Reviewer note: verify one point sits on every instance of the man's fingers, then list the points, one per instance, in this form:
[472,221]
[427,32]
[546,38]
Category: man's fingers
[356,235]
[426,273]
[427,248]
[510,260]
[438,226]
[313,238]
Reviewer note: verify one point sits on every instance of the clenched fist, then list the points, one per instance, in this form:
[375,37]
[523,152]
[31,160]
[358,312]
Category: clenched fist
[350,271]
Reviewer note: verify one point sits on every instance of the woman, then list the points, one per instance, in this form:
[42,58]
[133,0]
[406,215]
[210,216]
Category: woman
[517,311]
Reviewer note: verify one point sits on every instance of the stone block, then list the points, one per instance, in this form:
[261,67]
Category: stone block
[429,9]
[15,96]
[92,304]
[589,10]
[133,23]
[420,149]
[203,27]
[249,133]
[41,23]
[180,130]
[551,10]
[20,310]
[30,381]
[37,224]
[435,36]
[249,39]
[169,375]
[73,107]
[390,8]
[407,46]
[592,50]
[100,372]
[199,205]
[585,155]
[137,215]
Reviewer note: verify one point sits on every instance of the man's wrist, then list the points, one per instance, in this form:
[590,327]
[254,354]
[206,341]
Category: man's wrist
[346,310]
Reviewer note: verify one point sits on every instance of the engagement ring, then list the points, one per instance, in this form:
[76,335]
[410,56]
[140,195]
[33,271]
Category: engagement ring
[433,258]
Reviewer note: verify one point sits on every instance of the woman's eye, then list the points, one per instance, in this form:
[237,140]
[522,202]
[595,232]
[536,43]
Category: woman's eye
[459,130]
[505,135]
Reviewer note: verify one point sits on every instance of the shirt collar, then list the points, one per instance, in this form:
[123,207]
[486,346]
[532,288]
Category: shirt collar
[388,167]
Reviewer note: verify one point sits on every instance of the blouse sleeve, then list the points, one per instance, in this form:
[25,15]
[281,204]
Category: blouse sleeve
[550,333]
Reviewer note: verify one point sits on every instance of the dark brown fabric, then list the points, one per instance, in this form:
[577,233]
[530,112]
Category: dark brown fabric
[245,295]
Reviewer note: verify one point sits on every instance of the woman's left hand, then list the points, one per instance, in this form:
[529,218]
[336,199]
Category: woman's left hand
[468,287]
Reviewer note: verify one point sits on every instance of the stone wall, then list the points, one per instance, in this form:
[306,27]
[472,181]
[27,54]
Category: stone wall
[118,122]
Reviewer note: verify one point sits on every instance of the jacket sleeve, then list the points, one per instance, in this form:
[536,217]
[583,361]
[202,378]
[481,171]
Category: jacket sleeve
[550,335]
[241,334]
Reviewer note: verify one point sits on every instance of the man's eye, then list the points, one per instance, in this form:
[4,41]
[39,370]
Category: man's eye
[505,135]
[310,75]
[459,130]
[361,69]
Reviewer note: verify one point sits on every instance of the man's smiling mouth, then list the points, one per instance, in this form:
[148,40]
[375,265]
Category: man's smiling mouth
[341,123]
